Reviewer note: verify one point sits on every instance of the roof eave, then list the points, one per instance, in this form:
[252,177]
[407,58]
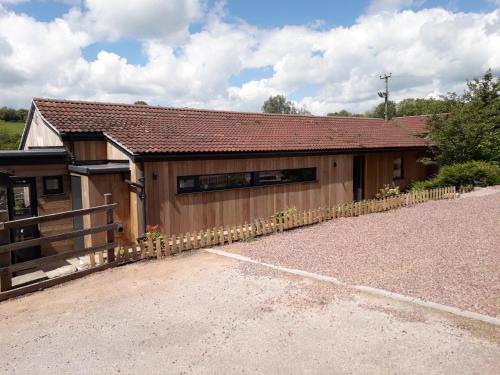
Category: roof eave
[267,154]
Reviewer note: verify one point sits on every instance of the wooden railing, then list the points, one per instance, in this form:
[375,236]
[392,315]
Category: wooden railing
[6,269]
[160,246]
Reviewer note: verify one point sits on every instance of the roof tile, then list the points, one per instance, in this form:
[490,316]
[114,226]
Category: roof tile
[148,129]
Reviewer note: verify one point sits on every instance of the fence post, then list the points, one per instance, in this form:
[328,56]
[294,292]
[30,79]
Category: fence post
[110,234]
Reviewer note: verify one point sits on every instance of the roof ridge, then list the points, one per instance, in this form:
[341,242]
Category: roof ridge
[201,110]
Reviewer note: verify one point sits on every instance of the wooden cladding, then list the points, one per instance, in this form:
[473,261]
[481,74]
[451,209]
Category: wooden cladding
[333,185]
[176,213]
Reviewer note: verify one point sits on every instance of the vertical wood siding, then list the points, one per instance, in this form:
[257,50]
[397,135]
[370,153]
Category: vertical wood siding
[93,189]
[187,212]
[379,170]
[89,150]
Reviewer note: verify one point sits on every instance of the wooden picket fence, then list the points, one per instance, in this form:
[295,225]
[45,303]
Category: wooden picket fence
[162,246]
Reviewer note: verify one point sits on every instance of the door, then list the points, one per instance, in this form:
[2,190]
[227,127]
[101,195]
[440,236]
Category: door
[358,178]
[23,204]
[76,204]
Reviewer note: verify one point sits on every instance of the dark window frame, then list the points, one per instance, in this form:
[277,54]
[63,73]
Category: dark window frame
[59,190]
[402,174]
[254,181]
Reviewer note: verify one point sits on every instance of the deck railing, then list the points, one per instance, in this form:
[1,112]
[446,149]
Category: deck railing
[108,248]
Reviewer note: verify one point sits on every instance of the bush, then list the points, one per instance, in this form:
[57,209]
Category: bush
[473,173]
[285,212]
[388,191]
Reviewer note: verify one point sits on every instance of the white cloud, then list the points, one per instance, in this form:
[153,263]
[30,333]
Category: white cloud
[429,52]
[12,1]
[139,19]
[391,5]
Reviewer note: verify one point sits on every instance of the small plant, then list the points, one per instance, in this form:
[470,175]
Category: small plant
[388,191]
[153,232]
[285,212]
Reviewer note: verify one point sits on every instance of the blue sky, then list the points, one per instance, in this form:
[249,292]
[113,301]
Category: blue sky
[109,50]
[269,13]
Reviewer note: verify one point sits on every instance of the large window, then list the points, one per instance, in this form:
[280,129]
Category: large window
[190,184]
[397,168]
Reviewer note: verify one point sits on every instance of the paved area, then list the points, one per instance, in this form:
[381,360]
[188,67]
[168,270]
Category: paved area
[446,251]
[201,313]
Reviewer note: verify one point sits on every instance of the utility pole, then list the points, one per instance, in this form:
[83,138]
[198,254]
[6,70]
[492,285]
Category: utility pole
[385,94]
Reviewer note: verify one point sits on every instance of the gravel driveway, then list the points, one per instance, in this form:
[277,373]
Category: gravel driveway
[200,313]
[443,251]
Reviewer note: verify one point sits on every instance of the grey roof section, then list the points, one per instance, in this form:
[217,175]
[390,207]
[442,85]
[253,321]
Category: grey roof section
[106,168]
[36,156]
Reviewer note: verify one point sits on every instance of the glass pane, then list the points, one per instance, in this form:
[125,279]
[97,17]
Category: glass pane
[3,198]
[287,175]
[298,175]
[397,168]
[239,179]
[186,182]
[225,181]
[22,200]
[270,176]
[52,184]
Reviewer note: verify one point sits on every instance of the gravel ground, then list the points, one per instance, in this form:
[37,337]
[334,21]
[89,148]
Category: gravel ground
[200,313]
[443,251]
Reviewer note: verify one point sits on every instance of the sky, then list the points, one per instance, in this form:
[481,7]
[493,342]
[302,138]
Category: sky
[325,55]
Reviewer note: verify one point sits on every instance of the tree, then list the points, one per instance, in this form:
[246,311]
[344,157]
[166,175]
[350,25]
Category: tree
[341,113]
[344,113]
[140,102]
[379,110]
[279,104]
[430,106]
[13,115]
[471,128]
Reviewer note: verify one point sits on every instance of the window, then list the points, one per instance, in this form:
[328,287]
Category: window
[53,185]
[190,184]
[285,176]
[397,168]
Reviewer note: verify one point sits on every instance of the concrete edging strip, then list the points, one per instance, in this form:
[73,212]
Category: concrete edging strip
[366,289]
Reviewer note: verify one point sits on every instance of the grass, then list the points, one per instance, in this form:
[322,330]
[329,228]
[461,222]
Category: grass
[12,127]
[10,134]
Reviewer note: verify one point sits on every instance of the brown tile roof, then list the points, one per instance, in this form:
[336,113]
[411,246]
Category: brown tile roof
[414,124]
[147,129]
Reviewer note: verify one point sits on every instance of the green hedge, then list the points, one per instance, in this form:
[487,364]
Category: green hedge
[475,173]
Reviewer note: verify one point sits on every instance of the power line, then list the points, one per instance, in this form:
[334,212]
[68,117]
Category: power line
[385,94]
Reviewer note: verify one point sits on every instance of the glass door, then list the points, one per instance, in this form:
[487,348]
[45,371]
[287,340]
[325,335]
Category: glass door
[23,205]
[358,175]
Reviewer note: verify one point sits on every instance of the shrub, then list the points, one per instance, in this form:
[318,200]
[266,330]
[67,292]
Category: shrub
[477,173]
[473,173]
[388,191]
[285,212]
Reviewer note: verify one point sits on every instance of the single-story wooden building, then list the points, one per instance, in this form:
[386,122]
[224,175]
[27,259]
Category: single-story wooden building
[189,169]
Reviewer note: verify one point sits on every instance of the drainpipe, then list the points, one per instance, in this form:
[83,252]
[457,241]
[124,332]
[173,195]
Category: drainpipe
[142,180]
